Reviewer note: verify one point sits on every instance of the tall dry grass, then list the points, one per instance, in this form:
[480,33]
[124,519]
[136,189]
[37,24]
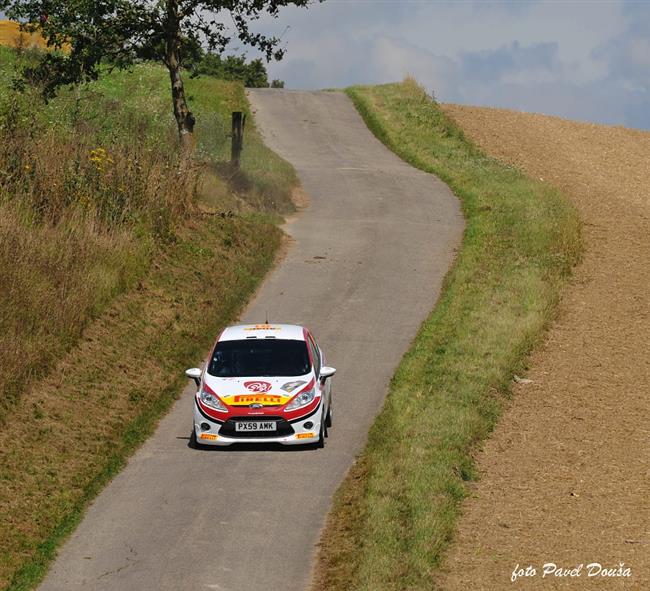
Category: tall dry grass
[51,170]
[81,213]
[53,279]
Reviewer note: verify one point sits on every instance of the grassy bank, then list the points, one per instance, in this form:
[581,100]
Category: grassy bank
[91,187]
[104,398]
[116,263]
[395,512]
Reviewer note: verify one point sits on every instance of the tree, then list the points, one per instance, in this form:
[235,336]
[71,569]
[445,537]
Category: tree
[253,74]
[123,31]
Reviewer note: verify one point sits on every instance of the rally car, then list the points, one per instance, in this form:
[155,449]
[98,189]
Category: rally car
[263,383]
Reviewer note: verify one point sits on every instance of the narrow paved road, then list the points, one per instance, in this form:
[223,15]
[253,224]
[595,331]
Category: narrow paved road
[366,267]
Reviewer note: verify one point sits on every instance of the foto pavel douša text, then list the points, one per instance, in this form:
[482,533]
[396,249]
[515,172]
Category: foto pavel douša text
[550,569]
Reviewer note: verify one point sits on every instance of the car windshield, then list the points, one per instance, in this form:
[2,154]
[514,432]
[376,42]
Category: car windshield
[259,357]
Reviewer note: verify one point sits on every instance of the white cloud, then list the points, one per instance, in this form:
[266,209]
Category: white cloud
[393,59]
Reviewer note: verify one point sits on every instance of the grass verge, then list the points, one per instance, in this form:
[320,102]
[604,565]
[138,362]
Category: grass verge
[395,512]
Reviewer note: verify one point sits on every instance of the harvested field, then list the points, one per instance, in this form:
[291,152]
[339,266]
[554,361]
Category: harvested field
[12,36]
[565,476]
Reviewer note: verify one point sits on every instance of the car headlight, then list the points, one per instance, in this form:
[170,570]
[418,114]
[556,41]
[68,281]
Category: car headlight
[303,399]
[211,401]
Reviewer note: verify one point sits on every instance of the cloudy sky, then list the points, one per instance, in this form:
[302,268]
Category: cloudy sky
[581,59]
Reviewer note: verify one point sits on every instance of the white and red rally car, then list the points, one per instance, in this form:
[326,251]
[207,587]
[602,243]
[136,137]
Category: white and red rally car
[263,383]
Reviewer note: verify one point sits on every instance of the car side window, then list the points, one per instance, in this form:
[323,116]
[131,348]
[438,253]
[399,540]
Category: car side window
[315,354]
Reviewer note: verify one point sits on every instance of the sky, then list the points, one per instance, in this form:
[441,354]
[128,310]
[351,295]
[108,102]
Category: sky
[580,59]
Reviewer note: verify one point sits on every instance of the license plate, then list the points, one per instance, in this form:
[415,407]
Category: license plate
[256,426]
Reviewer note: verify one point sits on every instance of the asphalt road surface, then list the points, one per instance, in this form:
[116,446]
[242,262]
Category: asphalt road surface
[364,270]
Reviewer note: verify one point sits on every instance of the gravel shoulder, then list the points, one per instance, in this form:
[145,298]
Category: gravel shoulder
[564,477]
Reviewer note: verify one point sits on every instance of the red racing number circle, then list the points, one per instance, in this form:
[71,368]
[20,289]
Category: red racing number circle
[257,386]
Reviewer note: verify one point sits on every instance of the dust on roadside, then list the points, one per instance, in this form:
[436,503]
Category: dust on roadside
[565,476]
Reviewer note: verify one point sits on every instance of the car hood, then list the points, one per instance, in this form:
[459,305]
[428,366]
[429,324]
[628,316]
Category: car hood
[265,391]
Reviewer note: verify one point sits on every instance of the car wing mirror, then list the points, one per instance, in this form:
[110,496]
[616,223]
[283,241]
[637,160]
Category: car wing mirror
[194,374]
[326,372]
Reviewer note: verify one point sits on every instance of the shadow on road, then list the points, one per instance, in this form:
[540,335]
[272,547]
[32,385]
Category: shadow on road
[239,447]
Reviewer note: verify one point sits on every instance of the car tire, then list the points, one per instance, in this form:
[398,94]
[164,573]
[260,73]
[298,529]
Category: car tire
[328,418]
[194,443]
[320,444]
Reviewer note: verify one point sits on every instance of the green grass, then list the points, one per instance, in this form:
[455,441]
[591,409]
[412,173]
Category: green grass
[264,178]
[395,513]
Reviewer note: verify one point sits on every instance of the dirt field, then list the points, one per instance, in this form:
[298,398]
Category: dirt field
[565,478]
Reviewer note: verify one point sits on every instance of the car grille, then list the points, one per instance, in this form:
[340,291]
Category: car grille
[283,428]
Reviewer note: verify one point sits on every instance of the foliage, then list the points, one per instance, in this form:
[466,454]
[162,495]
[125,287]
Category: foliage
[253,74]
[72,153]
[123,31]
[85,200]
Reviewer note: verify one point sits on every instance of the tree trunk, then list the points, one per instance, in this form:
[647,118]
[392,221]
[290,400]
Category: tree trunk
[184,118]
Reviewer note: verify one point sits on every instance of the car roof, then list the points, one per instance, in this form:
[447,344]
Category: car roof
[263,331]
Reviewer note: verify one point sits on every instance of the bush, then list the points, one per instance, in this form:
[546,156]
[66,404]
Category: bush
[253,74]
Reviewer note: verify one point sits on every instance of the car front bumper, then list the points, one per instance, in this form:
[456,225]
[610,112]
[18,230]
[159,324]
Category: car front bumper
[298,432]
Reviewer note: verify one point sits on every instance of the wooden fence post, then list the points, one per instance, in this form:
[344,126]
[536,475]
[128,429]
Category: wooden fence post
[238,124]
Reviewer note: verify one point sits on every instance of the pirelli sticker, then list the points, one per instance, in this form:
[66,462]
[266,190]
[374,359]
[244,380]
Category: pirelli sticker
[248,399]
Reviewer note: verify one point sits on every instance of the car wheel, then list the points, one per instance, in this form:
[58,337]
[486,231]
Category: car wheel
[328,418]
[321,436]
[194,443]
